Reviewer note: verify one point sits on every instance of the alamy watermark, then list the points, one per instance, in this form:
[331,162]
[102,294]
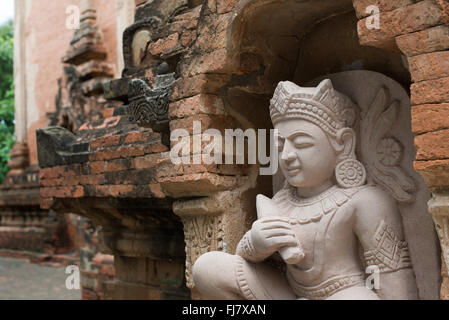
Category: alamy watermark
[373,20]
[72,21]
[229,149]
[72,282]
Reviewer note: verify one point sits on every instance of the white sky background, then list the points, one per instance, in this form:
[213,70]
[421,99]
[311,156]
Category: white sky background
[6,10]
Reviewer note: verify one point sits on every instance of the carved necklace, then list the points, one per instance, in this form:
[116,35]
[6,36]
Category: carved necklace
[307,210]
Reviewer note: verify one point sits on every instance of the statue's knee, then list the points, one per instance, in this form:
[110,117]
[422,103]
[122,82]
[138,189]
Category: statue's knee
[210,266]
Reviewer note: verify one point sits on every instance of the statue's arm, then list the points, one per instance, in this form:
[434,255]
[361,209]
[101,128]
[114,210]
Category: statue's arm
[378,225]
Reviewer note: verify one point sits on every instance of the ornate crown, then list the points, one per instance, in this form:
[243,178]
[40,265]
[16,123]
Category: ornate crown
[322,105]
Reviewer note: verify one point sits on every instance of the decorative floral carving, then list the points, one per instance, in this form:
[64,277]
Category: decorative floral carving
[384,169]
[202,234]
[389,151]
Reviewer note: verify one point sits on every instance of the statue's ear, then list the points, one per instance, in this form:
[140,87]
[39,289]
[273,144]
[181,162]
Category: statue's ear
[346,142]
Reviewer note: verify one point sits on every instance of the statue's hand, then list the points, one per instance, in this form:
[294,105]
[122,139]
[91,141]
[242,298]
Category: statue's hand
[270,234]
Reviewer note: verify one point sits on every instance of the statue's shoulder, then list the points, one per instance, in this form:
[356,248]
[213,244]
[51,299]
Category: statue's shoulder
[369,194]
[372,203]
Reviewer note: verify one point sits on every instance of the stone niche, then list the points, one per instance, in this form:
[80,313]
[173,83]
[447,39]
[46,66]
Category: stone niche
[306,41]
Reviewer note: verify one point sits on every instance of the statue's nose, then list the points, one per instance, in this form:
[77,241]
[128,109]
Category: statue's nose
[288,156]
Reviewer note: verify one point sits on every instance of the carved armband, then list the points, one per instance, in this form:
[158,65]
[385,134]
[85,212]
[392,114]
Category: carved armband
[390,253]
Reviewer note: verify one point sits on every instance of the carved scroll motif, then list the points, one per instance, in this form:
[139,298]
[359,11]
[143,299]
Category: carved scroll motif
[149,107]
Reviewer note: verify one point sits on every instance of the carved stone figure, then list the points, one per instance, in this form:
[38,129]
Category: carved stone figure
[327,233]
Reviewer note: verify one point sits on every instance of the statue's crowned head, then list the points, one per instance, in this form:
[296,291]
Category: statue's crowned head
[322,105]
[315,134]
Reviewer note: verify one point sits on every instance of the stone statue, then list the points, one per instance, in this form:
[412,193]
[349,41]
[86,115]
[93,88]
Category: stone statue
[330,228]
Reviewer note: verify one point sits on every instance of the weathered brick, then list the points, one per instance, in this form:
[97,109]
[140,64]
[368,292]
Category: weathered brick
[51,173]
[429,66]
[224,6]
[199,104]
[165,45]
[361,6]
[425,41]
[412,18]
[432,145]
[96,167]
[430,117]
[157,191]
[166,168]
[52,182]
[135,136]
[200,184]
[132,151]
[218,122]
[62,192]
[187,37]
[46,203]
[202,83]
[117,165]
[216,61]
[435,172]
[106,141]
[156,147]
[145,162]
[120,190]
[431,91]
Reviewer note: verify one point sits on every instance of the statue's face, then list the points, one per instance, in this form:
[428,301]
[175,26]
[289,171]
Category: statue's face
[306,157]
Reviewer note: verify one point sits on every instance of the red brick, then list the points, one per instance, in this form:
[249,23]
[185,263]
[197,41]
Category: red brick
[429,66]
[128,152]
[218,122]
[46,203]
[431,91]
[117,165]
[157,191]
[201,184]
[435,173]
[157,147]
[97,179]
[216,61]
[145,162]
[135,136]
[120,190]
[432,145]
[199,104]
[187,37]
[165,45]
[96,167]
[51,173]
[52,182]
[425,41]
[105,141]
[430,117]
[202,83]
[383,5]
[412,18]
[224,6]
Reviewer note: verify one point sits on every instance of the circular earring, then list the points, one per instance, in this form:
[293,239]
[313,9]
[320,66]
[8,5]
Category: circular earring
[350,173]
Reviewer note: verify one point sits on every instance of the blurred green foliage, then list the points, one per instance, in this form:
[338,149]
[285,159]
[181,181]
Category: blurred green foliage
[6,95]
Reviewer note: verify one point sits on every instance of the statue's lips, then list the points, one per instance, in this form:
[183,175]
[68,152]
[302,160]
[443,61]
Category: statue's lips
[293,171]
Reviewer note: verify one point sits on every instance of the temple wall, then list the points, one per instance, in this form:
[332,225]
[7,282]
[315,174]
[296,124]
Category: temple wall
[45,41]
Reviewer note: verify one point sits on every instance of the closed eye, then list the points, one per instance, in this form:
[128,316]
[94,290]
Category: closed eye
[303,145]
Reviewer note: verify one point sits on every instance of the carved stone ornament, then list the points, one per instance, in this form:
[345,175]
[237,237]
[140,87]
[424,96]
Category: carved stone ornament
[335,220]
[149,107]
